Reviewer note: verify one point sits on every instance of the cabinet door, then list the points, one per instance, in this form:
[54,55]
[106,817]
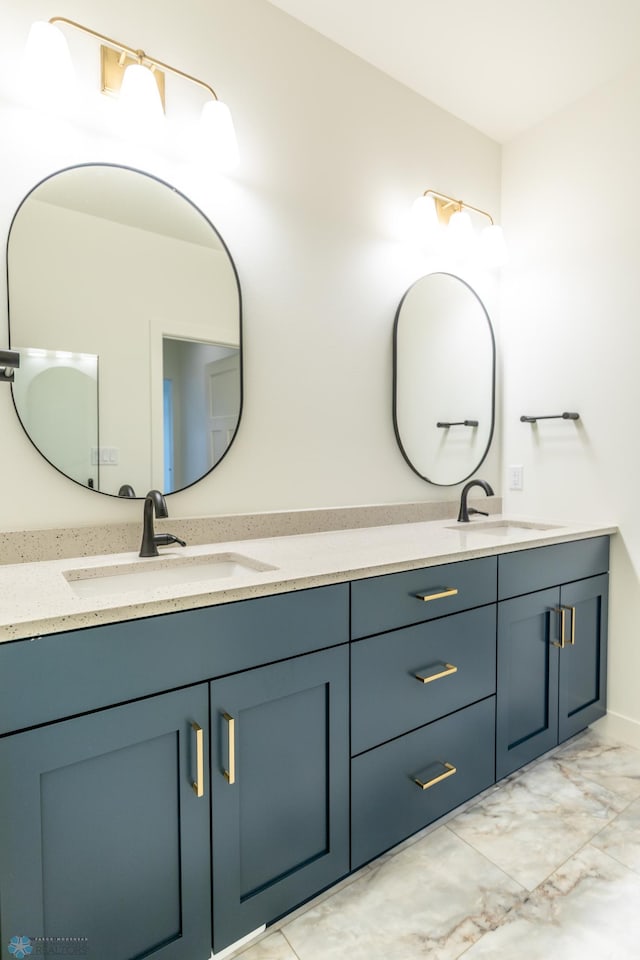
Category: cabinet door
[279,776]
[102,836]
[583,659]
[527,681]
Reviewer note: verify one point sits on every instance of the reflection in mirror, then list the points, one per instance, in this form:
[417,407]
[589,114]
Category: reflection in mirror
[125,306]
[57,388]
[444,379]
[201,398]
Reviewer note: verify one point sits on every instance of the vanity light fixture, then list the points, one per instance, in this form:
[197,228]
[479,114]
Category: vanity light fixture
[132,75]
[438,216]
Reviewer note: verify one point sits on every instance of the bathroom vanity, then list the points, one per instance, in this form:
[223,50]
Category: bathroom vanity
[174,780]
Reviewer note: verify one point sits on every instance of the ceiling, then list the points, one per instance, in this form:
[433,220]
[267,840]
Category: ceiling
[500,65]
[130,198]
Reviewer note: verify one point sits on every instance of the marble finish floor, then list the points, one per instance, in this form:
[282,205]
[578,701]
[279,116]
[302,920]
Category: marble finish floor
[544,865]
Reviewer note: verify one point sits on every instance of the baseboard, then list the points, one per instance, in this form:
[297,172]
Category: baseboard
[617,727]
[239,944]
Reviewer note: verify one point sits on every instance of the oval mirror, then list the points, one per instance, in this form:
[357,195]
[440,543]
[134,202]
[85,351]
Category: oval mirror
[444,379]
[125,307]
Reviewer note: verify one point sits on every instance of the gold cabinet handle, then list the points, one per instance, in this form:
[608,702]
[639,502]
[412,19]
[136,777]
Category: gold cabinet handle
[563,613]
[198,783]
[563,639]
[230,774]
[438,593]
[449,771]
[425,677]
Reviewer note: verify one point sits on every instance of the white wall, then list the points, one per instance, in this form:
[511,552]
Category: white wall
[333,154]
[571,340]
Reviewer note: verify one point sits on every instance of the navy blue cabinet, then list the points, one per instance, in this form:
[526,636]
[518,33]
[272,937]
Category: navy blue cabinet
[106,807]
[552,649]
[103,840]
[422,699]
[280,788]
[177,781]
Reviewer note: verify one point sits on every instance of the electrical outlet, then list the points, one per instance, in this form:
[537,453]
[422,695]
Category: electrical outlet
[516,477]
[104,456]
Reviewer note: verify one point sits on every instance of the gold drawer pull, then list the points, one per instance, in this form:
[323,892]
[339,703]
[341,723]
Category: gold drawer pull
[449,771]
[230,774]
[198,783]
[439,593]
[425,677]
[572,641]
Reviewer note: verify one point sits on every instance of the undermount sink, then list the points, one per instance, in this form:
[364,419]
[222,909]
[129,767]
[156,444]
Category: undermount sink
[502,528]
[164,572]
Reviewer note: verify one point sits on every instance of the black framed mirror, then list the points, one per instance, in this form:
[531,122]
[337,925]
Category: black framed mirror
[125,307]
[444,361]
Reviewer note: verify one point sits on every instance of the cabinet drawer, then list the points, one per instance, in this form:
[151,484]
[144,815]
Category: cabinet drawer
[528,570]
[388,805]
[458,653]
[382,603]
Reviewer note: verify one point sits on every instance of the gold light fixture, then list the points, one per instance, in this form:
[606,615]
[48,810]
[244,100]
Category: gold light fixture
[447,206]
[137,78]
[435,212]
[114,62]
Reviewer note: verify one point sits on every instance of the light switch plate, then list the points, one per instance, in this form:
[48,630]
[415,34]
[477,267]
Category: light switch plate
[516,477]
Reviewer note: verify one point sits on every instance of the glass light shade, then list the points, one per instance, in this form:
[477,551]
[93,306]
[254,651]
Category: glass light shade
[460,236]
[425,227]
[47,70]
[492,246]
[140,102]
[218,136]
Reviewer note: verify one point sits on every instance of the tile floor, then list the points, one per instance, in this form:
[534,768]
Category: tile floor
[546,865]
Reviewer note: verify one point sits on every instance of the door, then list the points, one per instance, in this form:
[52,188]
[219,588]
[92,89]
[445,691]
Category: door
[102,837]
[223,400]
[583,659]
[527,681]
[280,788]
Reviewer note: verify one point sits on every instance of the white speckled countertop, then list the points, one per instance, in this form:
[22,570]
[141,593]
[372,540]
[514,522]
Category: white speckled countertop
[37,598]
